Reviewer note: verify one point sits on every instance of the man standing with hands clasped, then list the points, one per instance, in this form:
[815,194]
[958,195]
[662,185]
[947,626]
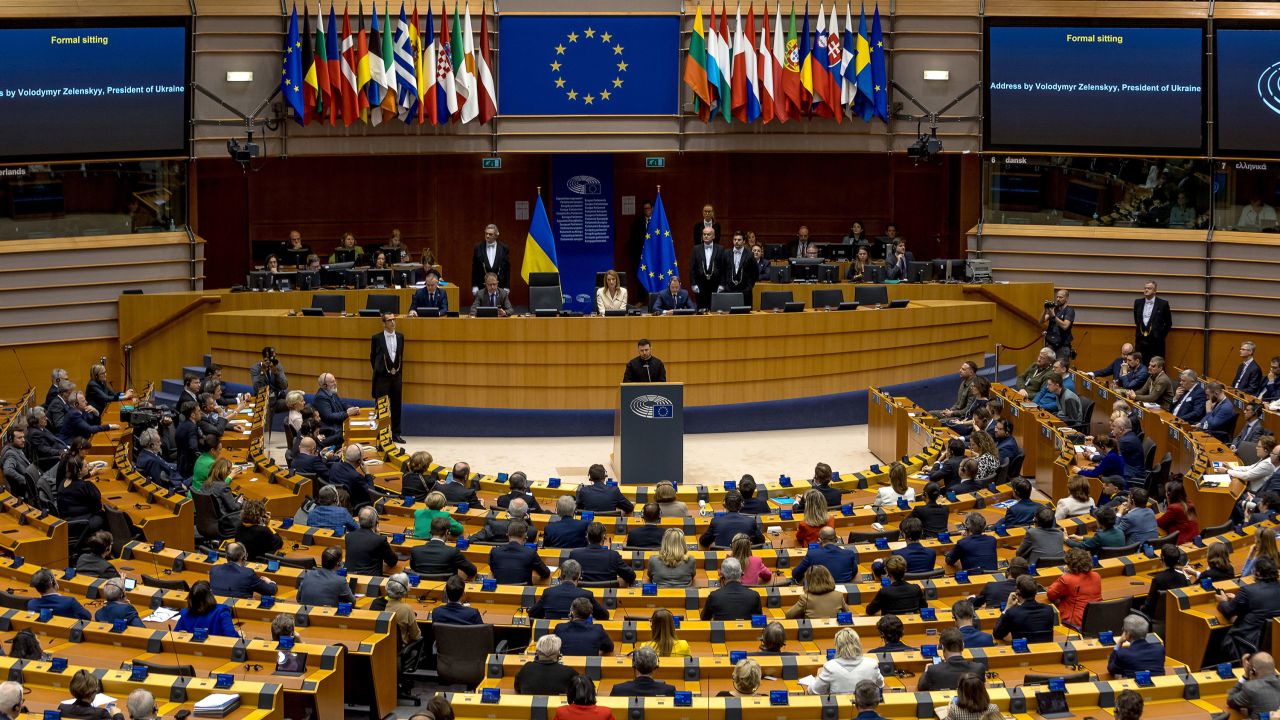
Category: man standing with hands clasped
[386,356]
[645,367]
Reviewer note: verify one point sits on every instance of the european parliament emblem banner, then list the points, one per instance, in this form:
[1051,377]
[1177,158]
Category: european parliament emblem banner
[589,65]
[582,216]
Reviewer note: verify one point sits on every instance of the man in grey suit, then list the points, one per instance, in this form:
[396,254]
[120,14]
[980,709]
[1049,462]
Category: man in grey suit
[493,296]
[1259,691]
[322,585]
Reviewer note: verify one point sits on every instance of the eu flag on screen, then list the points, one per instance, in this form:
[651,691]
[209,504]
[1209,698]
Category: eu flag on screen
[658,256]
[584,65]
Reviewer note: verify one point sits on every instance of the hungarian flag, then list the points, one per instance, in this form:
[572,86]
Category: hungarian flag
[724,52]
[376,87]
[695,68]
[362,66]
[389,79]
[446,82]
[484,69]
[320,66]
[350,105]
[784,106]
[334,59]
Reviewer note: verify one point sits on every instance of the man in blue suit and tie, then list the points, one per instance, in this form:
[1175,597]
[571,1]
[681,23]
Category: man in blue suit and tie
[116,608]
[723,528]
[673,298]
[309,461]
[1248,378]
[555,602]
[919,558]
[648,535]
[430,296]
[234,578]
[599,562]
[568,531]
[50,599]
[842,563]
[333,410]
[602,498]
[1133,652]
[1220,413]
[1188,401]
[515,563]
[454,612]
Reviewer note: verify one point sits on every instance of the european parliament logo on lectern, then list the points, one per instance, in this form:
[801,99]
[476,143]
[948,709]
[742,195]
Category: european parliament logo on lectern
[648,433]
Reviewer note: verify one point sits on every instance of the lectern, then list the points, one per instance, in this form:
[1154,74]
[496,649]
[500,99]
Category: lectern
[648,433]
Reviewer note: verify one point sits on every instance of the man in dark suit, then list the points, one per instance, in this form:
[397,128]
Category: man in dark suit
[1251,432]
[708,221]
[211,422]
[386,357]
[741,271]
[515,563]
[333,410]
[822,477]
[706,268]
[430,296]
[947,472]
[673,298]
[351,477]
[842,562]
[599,562]
[190,390]
[568,531]
[59,374]
[368,552]
[556,601]
[453,612]
[644,367]
[648,535]
[1024,617]
[60,405]
[1022,512]
[579,636]
[797,248]
[1006,443]
[1249,609]
[457,487]
[1152,321]
[187,437]
[1220,413]
[723,528]
[495,529]
[753,504]
[966,622]
[599,497]
[78,423]
[115,608]
[997,592]
[1133,652]
[50,599]
[1188,400]
[438,557]
[234,578]
[898,262]
[644,660]
[518,483]
[309,461]
[1118,367]
[323,585]
[731,601]
[919,558]
[493,296]
[490,256]
[946,674]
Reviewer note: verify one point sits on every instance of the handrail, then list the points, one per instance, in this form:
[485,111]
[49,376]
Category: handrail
[1002,304]
[169,319]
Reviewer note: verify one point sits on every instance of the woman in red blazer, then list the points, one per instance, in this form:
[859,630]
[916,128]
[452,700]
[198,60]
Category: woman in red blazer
[582,702]
[1077,587]
[1179,515]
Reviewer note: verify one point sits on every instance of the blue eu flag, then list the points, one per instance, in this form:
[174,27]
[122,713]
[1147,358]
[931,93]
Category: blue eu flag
[658,257]
[589,65]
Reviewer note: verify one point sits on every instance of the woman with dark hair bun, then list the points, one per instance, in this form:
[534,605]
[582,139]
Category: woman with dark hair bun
[582,702]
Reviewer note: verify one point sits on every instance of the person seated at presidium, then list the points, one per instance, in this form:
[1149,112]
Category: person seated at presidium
[430,296]
[611,296]
[347,243]
[493,296]
[673,298]
[858,268]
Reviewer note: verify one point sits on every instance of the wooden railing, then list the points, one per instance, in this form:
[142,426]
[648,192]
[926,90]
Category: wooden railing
[167,320]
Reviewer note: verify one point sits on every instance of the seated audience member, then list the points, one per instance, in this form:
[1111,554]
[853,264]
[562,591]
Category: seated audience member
[579,636]
[225,503]
[967,623]
[309,462]
[1044,539]
[210,450]
[556,601]
[152,465]
[662,635]
[813,519]
[1134,652]
[328,514]
[78,422]
[1033,377]
[98,390]
[95,561]
[967,480]
[254,532]
[1258,692]
[424,518]
[664,493]
[649,535]
[672,565]
[416,482]
[514,563]
[1255,476]
[1219,560]
[866,698]
[946,674]
[1189,399]
[85,688]
[601,563]
[995,593]
[1076,588]
[1137,521]
[211,422]
[841,562]
[899,597]
[44,447]
[1264,545]
[932,515]
[731,601]
[1006,444]
[891,630]
[518,483]
[644,661]
[439,707]
[368,552]
[568,531]
[582,702]
[1022,512]
[1078,501]
[1220,413]
[919,558]
[545,674]
[978,413]
[1024,617]
[968,371]
[1174,575]
[50,599]
[1179,517]
[842,673]
[453,612]
[754,571]
[322,585]
[821,599]
[772,640]
[751,504]
[495,530]
[1158,388]
[599,497]
[947,471]
[234,578]
[1251,607]
[78,497]
[720,530]
[457,487]
[1108,462]
[1271,382]
[746,679]
[351,477]
[1046,398]
[438,557]
[397,588]
[822,477]
[115,607]
[1117,368]
[1107,535]
[971,702]
[976,551]
[897,490]
[283,625]
[1129,446]
[986,454]
[204,612]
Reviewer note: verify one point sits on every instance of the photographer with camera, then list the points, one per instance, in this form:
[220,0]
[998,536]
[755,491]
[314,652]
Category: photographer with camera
[1058,319]
[268,373]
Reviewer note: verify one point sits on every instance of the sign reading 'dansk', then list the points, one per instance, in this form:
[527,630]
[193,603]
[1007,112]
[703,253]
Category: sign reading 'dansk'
[653,407]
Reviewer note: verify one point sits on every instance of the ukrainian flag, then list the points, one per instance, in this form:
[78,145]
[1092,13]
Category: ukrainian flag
[539,245]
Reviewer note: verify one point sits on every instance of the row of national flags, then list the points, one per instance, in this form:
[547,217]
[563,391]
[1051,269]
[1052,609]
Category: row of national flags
[397,69]
[775,76]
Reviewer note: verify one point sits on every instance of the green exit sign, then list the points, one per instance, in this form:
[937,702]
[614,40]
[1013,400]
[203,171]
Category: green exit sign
[655,162]
[491,163]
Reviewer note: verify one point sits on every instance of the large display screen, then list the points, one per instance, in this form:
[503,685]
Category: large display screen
[1248,92]
[1094,88]
[94,90]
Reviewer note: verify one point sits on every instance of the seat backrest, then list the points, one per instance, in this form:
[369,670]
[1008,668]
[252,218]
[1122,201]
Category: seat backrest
[871,294]
[1086,412]
[13,602]
[774,299]
[726,301]
[865,537]
[545,297]
[926,575]
[163,584]
[206,516]
[545,279]
[1015,465]
[461,651]
[383,303]
[1114,552]
[1105,615]
[329,302]
[118,524]
[827,298]
[302,563]
[1149,453]
[162,669]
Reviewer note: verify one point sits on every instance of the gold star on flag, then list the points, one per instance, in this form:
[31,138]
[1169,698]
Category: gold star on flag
[289,50]
[588,99]
[650,274]
[617,49]
[298,44]
[880,44]
[642,267]
[622,66]
[666,233]
[560,49]
[617,82]
[589,32]
[573,94]
[877,88]
[555,66]
[604,94]
[606,37]
[284,72]
[573,37]
[559,82]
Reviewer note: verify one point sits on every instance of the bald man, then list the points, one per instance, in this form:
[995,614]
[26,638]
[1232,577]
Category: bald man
[1259,691]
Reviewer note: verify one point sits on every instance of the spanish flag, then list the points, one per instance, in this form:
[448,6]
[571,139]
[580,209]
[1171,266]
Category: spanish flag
[539,245]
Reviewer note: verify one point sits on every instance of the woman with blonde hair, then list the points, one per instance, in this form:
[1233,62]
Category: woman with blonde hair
[672,566]
[225,504]
[435,508]
[1264,546]
[753,570]
[746,679]
[842,673]
[665,495]
[897,488]
[611,295]
[988,456]
[99,393]
[820,598]
[662,635]
[1078,502]
[815,518]
[294,400]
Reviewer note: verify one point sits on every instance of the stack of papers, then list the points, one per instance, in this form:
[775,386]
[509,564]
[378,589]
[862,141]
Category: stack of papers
[1215,480]
[217,704]
[161,614]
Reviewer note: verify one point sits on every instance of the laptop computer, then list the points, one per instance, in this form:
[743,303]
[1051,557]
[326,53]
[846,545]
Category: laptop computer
[486,312]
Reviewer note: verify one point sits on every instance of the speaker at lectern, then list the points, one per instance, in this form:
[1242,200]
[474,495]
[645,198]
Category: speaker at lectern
[648,433]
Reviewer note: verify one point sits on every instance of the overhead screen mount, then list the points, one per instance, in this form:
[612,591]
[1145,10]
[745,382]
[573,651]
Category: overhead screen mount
[927,147]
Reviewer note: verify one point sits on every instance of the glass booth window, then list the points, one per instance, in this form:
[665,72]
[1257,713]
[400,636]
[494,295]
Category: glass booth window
[1245,195]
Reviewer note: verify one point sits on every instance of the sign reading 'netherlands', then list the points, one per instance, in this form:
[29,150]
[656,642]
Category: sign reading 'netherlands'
[581,65]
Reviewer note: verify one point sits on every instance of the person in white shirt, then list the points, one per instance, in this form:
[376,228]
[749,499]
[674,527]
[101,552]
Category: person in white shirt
[898,488]
[612,296]
[850,666]
[1257,474]
[1256,214]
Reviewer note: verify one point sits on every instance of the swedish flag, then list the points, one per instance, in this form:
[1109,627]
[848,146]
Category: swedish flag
[658,257]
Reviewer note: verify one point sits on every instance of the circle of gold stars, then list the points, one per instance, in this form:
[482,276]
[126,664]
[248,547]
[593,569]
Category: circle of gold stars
[589,98]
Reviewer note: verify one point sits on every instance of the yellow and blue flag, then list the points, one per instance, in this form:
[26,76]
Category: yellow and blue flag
[291,82]
[864,102]
[658,256]
[539,245]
